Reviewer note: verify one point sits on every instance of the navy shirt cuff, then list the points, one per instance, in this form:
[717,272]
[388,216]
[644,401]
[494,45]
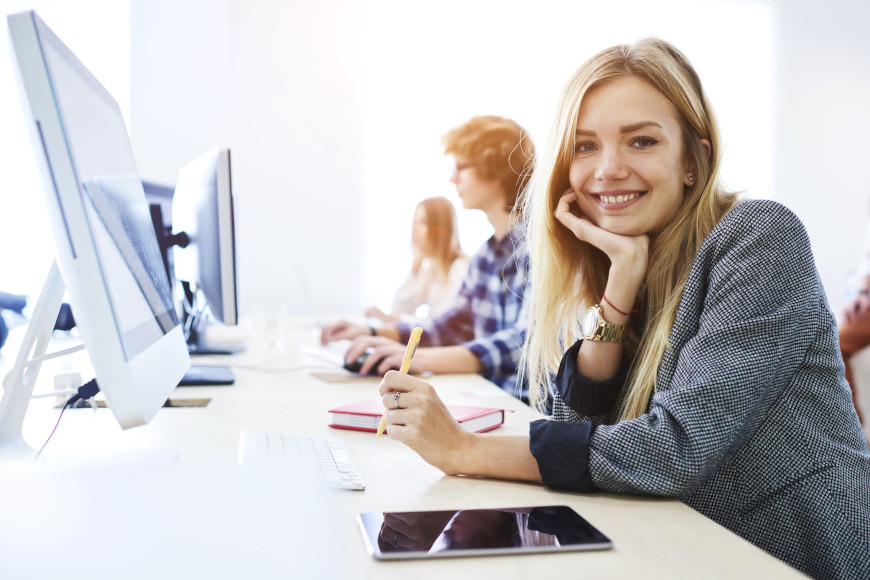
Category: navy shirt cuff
[562,453]
[584,395]
[484,356]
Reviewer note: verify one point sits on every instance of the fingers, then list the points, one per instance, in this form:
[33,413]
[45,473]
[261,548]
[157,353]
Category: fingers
[563,210]
[413,397]
[396,381]
[326,333]
[383,353]
[383,357]
[396,401]
[335,331]
[357,347]
[564,204]
[628,253]
[398,433]
[580,226]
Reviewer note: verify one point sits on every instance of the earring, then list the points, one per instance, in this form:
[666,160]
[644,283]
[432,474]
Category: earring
[691,179]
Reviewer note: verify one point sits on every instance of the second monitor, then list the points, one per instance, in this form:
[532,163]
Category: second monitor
[205,252]
[201,240]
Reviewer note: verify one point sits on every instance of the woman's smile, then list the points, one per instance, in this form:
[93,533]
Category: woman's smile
[614,200]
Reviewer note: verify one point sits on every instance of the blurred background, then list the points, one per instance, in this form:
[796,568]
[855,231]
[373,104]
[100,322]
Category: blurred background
[334,113]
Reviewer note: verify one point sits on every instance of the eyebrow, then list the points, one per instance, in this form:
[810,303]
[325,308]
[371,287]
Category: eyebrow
[624,129]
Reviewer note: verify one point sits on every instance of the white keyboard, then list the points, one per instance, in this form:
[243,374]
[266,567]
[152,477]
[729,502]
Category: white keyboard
[324,458]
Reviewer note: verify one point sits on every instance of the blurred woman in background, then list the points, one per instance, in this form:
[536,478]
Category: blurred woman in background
[439,265]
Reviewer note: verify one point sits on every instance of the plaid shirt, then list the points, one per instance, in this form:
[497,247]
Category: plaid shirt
[488,317]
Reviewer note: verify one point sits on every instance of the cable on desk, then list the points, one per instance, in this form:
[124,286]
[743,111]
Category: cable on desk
[85,392]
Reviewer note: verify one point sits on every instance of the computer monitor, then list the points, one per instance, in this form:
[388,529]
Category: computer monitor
[107,251]
[159,198]
[205,247]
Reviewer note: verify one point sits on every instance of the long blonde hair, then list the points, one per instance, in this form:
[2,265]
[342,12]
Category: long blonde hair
[568,276]
[442,234]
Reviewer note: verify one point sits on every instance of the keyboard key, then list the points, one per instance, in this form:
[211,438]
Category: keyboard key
[325,458]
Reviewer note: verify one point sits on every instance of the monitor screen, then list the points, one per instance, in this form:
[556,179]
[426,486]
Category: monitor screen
[202,207]
[106,246]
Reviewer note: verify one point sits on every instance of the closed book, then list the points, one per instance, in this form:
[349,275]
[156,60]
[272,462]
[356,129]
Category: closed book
[366,415]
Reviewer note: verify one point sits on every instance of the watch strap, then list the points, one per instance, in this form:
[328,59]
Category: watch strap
[610,333]
[607,331]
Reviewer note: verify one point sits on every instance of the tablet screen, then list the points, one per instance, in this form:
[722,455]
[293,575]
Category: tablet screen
[474,532]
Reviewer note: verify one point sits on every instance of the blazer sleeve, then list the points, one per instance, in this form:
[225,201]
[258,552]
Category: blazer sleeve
[755,324]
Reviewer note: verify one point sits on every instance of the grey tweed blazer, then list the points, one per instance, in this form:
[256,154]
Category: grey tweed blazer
[752,423]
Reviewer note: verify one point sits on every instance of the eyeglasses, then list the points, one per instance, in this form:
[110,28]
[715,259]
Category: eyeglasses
[459,167]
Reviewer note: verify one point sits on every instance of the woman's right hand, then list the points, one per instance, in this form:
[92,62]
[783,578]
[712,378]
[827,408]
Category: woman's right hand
[422,421]
[341,330]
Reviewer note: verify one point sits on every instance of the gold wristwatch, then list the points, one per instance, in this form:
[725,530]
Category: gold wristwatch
[597,329]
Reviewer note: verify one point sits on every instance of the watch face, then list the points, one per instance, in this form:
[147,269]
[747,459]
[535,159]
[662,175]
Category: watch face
[590,322]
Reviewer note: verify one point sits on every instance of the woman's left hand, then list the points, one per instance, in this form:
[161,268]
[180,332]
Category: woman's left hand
[422,422]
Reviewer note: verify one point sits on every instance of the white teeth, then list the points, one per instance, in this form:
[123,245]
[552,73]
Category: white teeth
[618,198]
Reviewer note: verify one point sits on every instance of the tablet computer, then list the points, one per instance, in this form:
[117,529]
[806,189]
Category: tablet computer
[477,532]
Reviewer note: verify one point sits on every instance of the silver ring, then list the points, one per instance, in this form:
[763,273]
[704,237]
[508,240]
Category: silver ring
[396,400]
[395,539]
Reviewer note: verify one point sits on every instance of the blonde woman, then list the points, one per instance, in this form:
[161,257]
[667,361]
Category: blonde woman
[686,337]
[439,265]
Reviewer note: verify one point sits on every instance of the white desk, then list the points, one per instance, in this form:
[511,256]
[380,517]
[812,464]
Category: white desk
[205,517]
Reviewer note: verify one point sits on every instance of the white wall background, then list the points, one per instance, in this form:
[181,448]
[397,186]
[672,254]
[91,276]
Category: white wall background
[280,84]
[822,114]
[334,112]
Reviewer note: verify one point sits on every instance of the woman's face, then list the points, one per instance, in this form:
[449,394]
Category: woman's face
[629,170]
[420,232]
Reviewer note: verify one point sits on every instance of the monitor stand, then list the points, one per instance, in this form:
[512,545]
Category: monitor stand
[207,375]
[18,384]
[195,323]
[197,344]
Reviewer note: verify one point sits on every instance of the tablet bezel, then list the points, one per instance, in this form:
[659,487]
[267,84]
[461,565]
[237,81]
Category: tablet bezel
[370,526]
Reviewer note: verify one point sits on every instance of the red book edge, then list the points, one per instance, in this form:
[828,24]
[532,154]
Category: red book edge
[374,408]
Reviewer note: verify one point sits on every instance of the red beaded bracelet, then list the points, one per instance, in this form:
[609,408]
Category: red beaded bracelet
[604,299]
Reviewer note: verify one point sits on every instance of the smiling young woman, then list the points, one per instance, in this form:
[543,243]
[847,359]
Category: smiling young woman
[680,338]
